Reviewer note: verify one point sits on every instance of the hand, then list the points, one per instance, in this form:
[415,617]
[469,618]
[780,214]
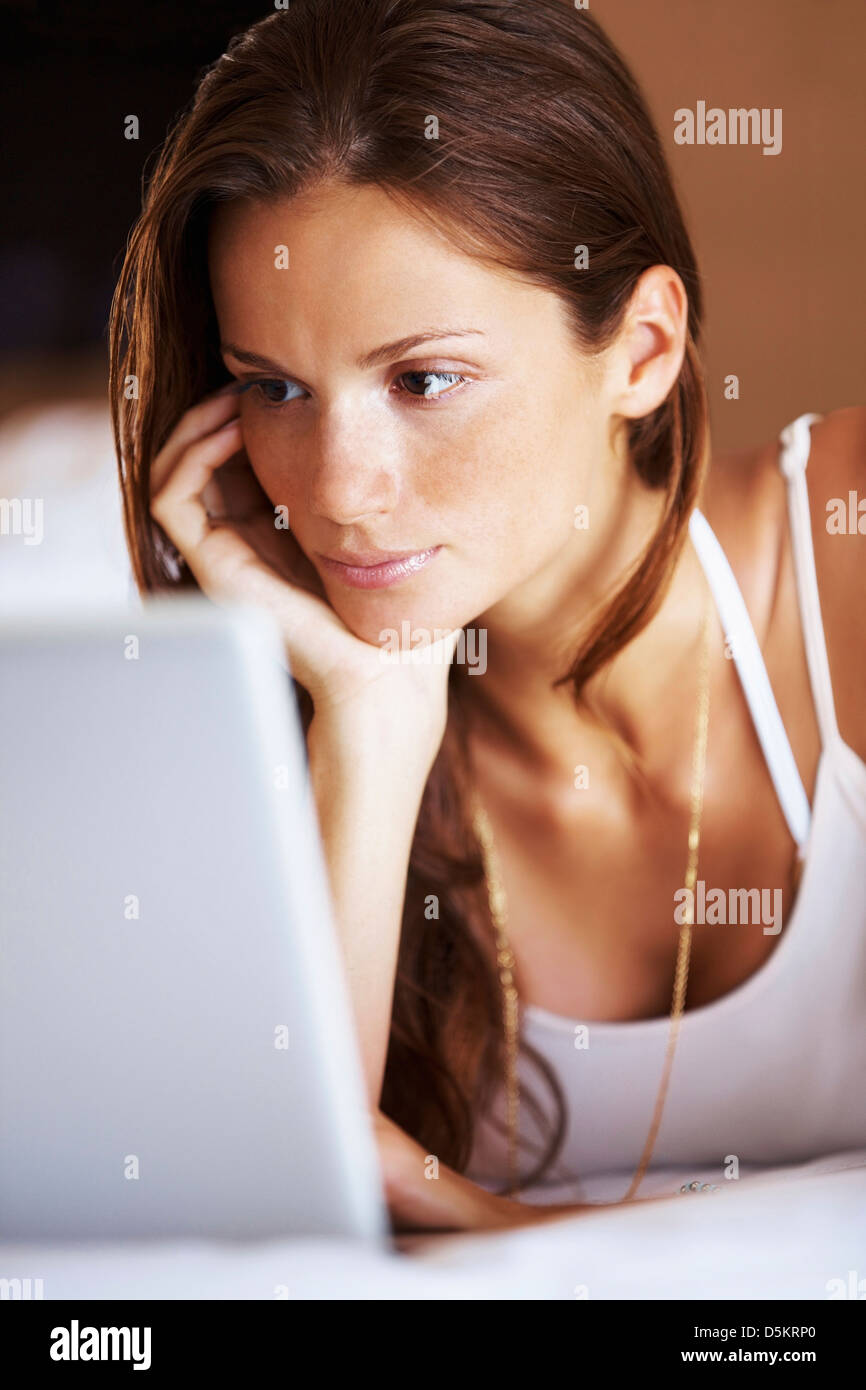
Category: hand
[246,558]
[449,1201]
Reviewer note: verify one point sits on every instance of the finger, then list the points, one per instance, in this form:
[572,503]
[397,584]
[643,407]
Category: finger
[201,419]
[231,571]
[234,493]
[228,568]
[281,551]
[178,506]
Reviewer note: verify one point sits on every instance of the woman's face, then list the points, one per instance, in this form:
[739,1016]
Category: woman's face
[469,450]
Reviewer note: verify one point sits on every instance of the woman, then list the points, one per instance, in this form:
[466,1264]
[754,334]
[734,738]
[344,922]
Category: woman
[435,247]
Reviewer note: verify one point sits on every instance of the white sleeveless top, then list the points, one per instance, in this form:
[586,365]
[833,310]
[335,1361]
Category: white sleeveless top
[773,1072]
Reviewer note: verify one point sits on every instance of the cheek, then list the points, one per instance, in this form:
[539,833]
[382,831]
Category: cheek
[499,488]
[480,466]
[516,493]
[269,458]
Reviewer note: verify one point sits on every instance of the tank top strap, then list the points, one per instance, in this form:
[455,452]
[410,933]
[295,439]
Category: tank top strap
[795,440]
[752,671]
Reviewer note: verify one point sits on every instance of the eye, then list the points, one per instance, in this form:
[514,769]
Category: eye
[428,384]
[274,391]
[422,385]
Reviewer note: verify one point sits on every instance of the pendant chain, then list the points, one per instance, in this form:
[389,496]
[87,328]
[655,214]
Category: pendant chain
[505,956]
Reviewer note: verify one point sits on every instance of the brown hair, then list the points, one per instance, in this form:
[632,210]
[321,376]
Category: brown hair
[544,144]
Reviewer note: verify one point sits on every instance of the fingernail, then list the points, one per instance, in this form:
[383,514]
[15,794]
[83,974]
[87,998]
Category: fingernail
[235,420]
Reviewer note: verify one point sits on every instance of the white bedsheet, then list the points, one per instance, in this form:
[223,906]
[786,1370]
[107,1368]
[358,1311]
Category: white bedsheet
[788,1233]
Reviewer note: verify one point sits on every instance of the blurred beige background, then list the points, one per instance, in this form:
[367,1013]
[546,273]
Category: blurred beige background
[780,238]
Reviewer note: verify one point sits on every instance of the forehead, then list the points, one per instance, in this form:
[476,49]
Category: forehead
[344,259]
[321,223]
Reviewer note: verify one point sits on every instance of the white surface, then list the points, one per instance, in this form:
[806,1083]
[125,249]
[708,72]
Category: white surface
[779,1235]
[184,922]
[63,456]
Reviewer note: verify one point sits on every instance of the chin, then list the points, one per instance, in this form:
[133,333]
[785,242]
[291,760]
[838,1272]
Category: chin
[385,620]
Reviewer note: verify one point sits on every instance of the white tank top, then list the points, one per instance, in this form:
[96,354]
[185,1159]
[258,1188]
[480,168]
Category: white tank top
[773,1072]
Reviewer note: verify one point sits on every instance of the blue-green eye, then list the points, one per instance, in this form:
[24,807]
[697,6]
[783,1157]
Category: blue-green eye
[280,389]
[428,383]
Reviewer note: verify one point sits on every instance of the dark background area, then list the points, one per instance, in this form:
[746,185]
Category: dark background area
[72,182]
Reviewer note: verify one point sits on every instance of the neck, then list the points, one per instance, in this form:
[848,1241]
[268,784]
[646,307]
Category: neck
[535,631]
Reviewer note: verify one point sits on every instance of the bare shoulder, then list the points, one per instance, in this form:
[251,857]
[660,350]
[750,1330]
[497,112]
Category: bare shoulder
[836,477]
[837,461]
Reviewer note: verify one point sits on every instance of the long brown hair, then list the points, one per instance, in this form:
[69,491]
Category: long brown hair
[544,144]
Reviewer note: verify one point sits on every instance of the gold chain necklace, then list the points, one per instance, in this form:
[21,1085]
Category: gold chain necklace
[505,956]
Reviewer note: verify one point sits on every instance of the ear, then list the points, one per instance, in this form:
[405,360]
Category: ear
[648,352]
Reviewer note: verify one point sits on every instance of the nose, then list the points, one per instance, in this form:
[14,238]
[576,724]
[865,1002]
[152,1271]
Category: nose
[352,468]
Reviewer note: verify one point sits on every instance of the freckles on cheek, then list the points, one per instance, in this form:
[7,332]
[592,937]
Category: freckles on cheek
[269,462]
[516,503]
[502,469]
[468,468]
[491,513]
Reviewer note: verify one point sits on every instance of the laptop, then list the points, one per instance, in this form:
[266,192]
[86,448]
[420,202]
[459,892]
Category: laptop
[177,1050]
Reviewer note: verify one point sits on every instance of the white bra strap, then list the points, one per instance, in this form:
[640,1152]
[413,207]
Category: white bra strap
[796,439]
[752,671]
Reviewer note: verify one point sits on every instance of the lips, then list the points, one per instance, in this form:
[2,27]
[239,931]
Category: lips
[368,559]
[377,569]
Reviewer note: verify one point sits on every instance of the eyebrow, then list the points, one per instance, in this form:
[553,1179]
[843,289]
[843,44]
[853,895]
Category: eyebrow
[387,352]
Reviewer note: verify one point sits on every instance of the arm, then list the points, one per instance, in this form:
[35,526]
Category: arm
[452,1202]
[368,776]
